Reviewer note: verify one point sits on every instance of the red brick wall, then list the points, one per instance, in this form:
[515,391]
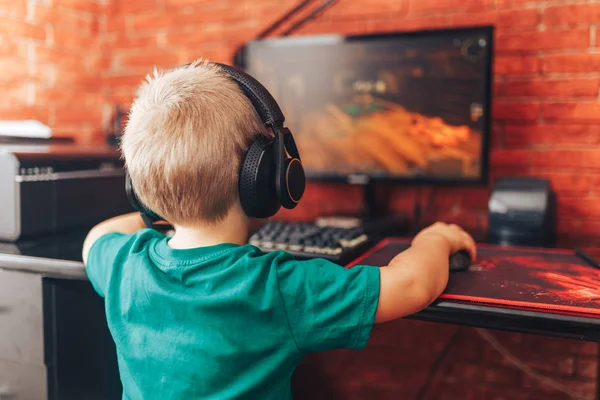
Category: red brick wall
[50,63]
[545,111]
[68,62]
[413,360]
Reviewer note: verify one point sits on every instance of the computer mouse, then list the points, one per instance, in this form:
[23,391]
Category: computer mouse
[460,261]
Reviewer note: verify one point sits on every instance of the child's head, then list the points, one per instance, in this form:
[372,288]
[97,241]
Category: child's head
[187,132]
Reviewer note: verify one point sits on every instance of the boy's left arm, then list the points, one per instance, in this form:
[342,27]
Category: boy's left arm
[126,224]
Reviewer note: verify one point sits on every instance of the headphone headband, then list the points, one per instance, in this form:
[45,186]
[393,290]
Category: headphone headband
[264,103]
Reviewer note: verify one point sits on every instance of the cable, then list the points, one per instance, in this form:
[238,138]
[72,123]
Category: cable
[313,14]
[488,337]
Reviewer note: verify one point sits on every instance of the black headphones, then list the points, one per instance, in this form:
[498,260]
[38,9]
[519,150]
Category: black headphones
[271,172]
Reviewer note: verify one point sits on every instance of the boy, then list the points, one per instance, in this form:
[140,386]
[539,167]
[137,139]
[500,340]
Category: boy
[202,315]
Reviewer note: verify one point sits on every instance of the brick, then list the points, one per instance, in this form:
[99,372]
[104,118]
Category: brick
[116,43]
[516,135]
[11,28]
[551,87]
[129,80]
[70,114]
[376,7]
[152,20]
[503,393]
[15,94]
[571,63]
[44,12]
[12,71]
[88,6]
[510,157]
[566,182]
[449,391]
[587,367]
[213,34]
[13,48]
[567,158]
[502,376]
[545,40]
[571,14]
[516,65]
[578,112]
[70,40]
[515,111]
[513,19]
[465,371]
[76,81]
[348,26]
[13,7]
[410,24]
[551,365]
[465,351]
[568,227]
[122,99]
[585,389]
[240,33]
[57,57]
[116,24]
[596,183]
[7,112]
[156,19]
[578,206]
[129,7]
[589,348]
[474,198]
[437,6]
[77,24]
[149,60]
[516,3]
[99,63]
[180,3]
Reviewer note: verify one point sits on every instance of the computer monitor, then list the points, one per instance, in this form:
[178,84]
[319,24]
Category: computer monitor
[409,107]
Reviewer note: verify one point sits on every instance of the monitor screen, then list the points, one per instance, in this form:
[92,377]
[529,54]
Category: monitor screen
[406,106]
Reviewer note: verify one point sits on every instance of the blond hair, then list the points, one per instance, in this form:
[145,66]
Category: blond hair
[183,144]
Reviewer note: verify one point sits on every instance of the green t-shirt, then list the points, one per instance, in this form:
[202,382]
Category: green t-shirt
[225,321]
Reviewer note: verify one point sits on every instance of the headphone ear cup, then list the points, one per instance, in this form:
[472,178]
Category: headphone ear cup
[258,195]
[295,183]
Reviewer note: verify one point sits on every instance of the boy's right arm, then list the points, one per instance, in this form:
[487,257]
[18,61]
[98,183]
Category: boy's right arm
[418,276]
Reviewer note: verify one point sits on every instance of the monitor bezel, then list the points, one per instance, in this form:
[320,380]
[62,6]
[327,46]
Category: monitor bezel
[359,178]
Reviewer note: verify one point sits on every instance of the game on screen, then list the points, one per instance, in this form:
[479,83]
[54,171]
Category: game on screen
[397,106]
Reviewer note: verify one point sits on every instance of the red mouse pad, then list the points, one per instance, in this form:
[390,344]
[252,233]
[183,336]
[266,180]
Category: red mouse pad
[546,280]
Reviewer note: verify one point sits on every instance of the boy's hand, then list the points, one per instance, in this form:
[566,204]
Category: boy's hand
[457,238]
[418,275]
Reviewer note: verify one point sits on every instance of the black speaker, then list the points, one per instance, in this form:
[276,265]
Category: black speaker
[522,212]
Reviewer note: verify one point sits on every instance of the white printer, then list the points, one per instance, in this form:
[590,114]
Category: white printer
[45,189]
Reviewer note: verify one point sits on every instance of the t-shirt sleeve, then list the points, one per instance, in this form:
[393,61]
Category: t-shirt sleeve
[101,259]
[328,306]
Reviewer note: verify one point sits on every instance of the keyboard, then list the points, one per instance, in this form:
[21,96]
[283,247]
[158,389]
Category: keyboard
[310,240]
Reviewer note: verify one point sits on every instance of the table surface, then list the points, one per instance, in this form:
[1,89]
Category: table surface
[546,291]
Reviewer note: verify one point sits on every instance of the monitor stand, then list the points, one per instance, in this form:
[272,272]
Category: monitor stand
[372,218]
